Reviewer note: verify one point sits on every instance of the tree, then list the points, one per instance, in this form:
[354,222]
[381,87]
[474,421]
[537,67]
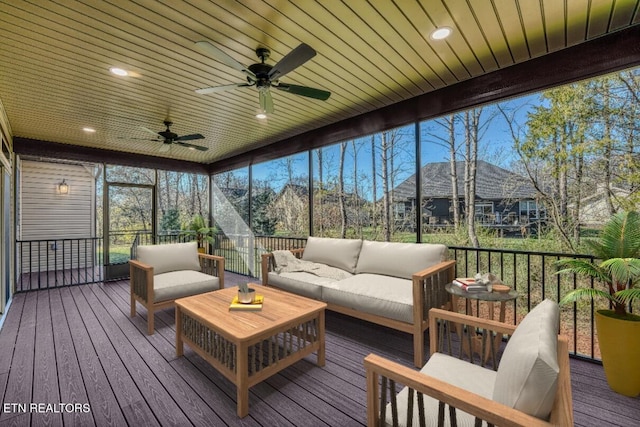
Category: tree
[386,196]
[471,126]
[263,222]
[170,220]
[341,195]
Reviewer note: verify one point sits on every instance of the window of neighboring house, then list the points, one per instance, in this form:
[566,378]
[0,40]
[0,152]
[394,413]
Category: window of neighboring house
[529,209]
[484,212]
[398,210]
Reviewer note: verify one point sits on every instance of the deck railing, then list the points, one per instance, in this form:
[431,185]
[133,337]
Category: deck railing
[42,264]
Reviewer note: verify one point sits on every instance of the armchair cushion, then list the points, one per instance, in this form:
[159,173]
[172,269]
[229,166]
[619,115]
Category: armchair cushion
[184,283]
[398,259]
[171,257]
[454,371]
[527,377]
[339,253]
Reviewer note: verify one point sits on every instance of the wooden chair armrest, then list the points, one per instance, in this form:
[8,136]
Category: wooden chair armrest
[213,257]
[267,262]
[428,289]
[436,314]
[476,405]
[143,290]
[219,266]
[297,252]
[140,265]
[434,269]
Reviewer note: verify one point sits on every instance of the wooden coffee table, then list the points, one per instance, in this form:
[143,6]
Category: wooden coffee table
[249,346]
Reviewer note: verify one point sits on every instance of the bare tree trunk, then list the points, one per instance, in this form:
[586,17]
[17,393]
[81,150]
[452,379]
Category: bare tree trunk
[374,211]
[576,212]
[455,197]
[471,119]
[386,217]
[607,148]
[320,223]
[343,209]
[356,197]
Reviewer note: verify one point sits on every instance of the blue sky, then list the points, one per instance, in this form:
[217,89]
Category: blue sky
[496,146]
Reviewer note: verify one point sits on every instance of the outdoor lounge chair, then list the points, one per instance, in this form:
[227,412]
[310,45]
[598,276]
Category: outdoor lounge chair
[531,386]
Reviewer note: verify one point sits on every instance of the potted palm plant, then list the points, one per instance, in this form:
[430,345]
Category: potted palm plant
[198,227]
[618,249]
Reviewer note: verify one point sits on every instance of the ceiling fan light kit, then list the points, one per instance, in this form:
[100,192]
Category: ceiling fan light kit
[264,76]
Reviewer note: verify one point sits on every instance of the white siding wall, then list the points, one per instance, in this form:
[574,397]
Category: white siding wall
[45,214]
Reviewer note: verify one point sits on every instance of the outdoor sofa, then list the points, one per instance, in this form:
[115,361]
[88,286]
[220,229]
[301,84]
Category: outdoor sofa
[163,273]
[391,284]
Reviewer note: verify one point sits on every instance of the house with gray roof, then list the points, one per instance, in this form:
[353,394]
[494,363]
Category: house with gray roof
[503,198]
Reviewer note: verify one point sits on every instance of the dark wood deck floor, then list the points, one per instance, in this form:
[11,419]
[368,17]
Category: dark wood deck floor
[78,345]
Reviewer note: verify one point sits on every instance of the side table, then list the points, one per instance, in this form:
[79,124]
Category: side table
[489,297]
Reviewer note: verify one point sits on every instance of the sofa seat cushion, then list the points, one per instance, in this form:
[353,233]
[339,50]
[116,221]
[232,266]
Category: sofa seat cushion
[170,257]
[384,296]
[339,253]
[456,372]
[301,283]
[527,376]
[399,259]
[178,284]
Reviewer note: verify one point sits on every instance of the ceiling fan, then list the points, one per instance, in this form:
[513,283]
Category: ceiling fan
[168,138]
[264,76]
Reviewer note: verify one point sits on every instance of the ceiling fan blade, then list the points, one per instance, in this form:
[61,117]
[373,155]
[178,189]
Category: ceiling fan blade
[222,88]
[304,91]
[223,57]
[266,101]
[189,137]
[140,139]
[192,146]
[292,60]
[149,130]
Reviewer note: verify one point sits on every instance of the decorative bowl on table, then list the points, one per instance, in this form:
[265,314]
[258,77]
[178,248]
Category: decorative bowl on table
[500,288]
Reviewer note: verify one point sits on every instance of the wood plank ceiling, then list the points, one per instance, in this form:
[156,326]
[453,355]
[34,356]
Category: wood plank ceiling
[55,58]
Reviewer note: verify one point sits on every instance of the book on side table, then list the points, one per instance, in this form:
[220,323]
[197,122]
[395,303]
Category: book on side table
[256,305]
[469,284]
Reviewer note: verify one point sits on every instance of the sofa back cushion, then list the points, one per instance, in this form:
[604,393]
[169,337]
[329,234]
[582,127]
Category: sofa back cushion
[339,253]
[398,259]
[527,377]
[170,257]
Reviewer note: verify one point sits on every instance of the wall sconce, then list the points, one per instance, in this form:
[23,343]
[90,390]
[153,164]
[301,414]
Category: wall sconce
[63,187]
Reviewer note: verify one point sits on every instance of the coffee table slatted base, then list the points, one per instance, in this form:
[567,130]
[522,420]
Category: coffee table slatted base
[246,363]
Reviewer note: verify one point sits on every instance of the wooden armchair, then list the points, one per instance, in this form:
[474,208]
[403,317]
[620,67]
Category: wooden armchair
[479,392]
[164,273]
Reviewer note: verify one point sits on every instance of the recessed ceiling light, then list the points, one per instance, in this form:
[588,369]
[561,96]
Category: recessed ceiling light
[441,33]
[261,116]
[89,130]
[119,71]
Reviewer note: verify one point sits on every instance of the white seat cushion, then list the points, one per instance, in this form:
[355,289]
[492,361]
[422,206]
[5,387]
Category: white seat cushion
[384,296]
[454,371]
[300,283]
[179,284]
[170,257]
[527,377]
